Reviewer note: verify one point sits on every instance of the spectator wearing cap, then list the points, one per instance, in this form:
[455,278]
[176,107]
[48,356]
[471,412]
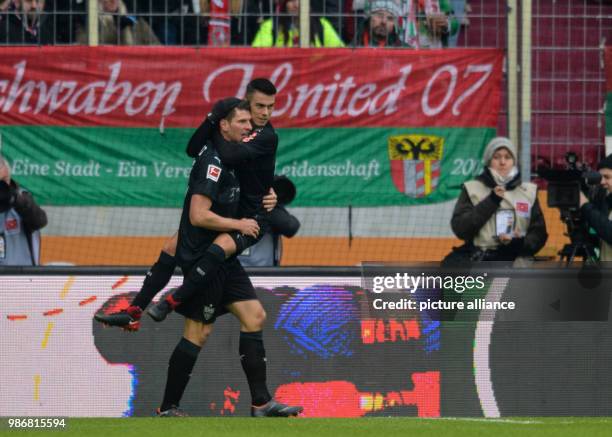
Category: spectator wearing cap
[380,29]
[20,220]
[497,215]
[268,251]
[283,30]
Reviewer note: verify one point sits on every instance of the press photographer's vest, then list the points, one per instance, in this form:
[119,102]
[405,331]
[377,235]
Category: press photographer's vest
[520,201]
[606,249]
[17,246]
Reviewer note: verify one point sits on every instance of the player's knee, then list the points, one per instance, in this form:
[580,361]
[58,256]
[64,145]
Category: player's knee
[205,333]
[202,335]
[197,332]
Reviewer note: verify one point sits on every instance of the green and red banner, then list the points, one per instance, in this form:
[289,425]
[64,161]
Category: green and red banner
[109,125]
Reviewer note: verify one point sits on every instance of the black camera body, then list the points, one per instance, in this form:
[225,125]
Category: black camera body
[564,185]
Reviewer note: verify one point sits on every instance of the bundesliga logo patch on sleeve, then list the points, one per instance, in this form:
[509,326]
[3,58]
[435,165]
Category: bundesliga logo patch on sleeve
[213,172]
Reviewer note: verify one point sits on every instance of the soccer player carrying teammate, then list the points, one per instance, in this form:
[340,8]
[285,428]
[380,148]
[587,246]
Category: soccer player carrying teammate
[255,160]
[212,199]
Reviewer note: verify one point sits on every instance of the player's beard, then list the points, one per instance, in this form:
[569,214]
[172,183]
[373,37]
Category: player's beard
[380,33]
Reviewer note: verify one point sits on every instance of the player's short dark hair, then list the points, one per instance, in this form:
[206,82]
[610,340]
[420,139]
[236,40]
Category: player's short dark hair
[262,85]
[242,106]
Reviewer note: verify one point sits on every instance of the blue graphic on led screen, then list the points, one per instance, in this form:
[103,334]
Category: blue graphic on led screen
[431,331]
[130,411]
[322,319]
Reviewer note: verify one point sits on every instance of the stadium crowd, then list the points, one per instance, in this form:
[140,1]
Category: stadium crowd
[258,23]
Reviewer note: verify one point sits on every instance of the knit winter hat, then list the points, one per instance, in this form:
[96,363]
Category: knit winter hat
[496,144]
[392,6]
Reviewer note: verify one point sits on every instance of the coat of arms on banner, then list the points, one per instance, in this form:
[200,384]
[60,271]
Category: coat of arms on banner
[415,163]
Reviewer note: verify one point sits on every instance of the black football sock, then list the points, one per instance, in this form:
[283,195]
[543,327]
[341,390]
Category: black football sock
[179,371]
[199,274]
[253,360]
[156,279]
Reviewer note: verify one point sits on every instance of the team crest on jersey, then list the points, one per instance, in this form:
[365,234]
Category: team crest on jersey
[213,172]
[415,163]
[209,312]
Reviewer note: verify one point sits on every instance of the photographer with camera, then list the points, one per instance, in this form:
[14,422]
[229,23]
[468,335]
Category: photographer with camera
[597,212]
[497,216]
[20,220]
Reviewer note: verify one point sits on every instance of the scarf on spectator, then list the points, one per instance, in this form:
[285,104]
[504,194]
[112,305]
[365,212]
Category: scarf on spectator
[219,33]
[410,17]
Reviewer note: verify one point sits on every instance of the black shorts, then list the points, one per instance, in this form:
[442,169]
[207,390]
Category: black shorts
[243,242]
[231,283]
